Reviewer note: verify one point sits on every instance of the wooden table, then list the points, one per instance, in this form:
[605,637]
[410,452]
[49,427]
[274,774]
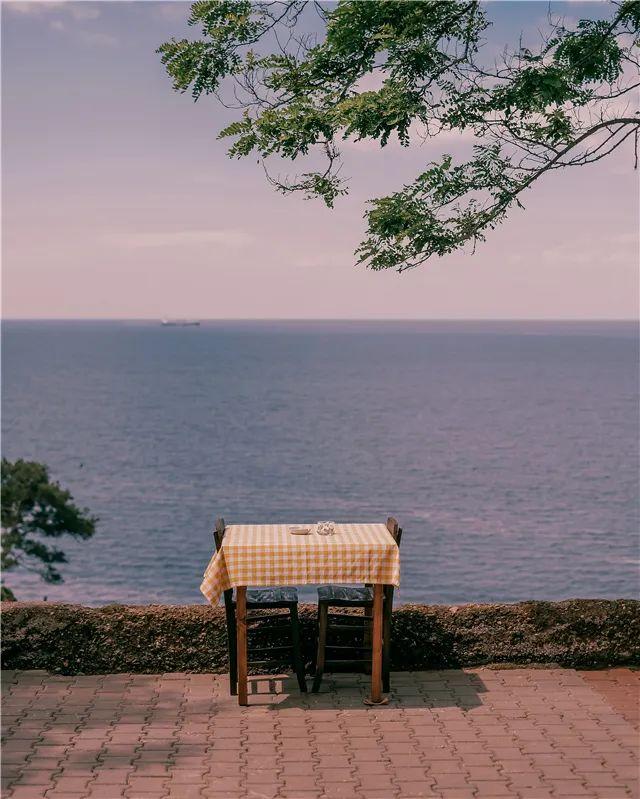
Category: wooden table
[268,555]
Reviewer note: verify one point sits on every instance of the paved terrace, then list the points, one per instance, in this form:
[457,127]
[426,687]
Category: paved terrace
[525,733]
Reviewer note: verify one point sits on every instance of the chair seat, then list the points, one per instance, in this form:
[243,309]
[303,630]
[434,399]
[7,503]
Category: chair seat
[272,594]
[343,593]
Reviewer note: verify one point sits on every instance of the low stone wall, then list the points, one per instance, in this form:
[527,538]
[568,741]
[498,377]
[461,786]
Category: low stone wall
[73,639]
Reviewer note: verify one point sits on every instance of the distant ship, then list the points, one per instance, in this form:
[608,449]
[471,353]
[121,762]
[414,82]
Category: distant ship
[180,323]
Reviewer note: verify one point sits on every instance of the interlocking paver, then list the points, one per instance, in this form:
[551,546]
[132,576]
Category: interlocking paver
[439,767]
[473,734]
[228,783]
[451,781]
[416,790]
[27,792]
[305,768]
[340,790]
[263,791]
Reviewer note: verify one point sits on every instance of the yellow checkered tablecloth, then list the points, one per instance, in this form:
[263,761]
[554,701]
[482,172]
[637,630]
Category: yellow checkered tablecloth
[268,554]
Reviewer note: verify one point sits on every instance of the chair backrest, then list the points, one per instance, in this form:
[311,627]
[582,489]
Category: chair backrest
[218,537]
[396,531]
[218,533]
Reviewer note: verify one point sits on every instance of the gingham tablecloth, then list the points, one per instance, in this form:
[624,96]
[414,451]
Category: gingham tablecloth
[267,554]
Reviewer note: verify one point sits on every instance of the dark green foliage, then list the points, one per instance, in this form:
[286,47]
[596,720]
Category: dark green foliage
[6,594]
[590,54]
[580,633]
[413,70]
[34,509]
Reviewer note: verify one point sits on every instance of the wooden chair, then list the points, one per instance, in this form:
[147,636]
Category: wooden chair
[353,631]
[271,598]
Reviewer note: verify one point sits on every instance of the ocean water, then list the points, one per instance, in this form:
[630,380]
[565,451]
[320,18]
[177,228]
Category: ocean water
[508,451]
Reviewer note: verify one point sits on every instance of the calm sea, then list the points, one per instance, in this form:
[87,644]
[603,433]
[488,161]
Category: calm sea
[508,451]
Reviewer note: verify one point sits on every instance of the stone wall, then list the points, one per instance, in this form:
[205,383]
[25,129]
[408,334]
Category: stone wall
[73,639]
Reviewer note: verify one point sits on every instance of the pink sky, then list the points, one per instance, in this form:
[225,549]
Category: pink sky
[119,202]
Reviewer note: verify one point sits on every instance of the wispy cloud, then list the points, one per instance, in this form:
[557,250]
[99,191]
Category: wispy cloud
[66,18]
[616,249]
[77,9]
[323,259]
[97,38]
[32,8]
[176,11]
[180,238]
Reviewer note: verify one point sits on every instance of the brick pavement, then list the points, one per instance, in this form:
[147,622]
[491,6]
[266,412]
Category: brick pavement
[472,734]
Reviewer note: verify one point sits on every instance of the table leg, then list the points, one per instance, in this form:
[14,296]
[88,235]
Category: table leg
[241,638]
[376,647]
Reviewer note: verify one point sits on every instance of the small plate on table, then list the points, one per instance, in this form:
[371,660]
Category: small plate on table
[300,530]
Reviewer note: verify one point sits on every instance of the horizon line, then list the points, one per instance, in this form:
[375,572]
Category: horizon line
[315,319]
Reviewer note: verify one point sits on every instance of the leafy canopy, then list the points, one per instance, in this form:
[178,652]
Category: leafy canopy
[414,70]
[32,509]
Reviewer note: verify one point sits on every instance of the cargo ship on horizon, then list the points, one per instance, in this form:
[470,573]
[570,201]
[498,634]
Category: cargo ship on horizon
[180,323]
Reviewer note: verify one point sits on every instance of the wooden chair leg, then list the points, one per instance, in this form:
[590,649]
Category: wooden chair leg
[367,639]
[323,619]
[298,663]
[386,651]
[241,647]
[232,648]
